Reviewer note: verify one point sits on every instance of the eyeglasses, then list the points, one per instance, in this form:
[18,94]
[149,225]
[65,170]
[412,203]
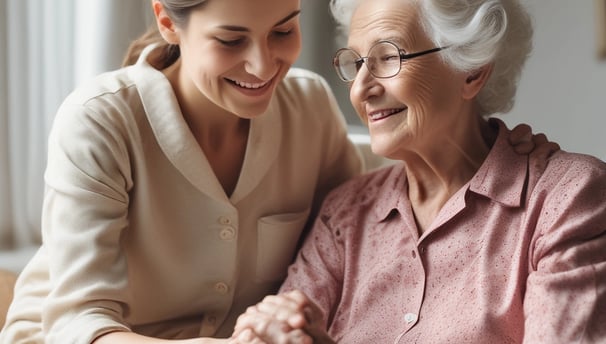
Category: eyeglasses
[384,60]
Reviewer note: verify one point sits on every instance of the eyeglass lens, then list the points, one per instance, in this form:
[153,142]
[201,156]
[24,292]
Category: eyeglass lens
[383,61]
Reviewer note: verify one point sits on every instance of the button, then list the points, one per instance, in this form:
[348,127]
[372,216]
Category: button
[410,318]
[221,288]
[224,220]
[227,233]
[422,249]
[414,254]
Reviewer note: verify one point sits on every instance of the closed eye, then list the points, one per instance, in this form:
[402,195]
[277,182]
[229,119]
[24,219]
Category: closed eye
[230,43]
[390,57]
[283,32]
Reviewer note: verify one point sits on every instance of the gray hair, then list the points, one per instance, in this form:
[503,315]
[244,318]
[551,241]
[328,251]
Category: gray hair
[478,32]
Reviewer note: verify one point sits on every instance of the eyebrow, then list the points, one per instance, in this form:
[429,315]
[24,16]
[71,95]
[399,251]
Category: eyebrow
[244,29]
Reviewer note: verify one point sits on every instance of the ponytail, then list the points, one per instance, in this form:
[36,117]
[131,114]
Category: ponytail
[162,56]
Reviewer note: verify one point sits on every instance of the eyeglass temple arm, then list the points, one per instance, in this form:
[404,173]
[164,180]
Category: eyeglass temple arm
[405,56]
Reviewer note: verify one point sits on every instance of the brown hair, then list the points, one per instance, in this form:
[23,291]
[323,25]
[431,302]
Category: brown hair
[164,54]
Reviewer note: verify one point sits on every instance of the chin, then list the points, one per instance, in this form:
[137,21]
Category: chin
[380,149]
[385,146]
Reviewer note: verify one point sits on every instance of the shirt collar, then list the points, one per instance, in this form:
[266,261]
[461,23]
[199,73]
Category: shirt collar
[393,193]
[180,146]
[501,177]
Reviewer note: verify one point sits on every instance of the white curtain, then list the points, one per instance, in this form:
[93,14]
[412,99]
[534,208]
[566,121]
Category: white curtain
[47,47]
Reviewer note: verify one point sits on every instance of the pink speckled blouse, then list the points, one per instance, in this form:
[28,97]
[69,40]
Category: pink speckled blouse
[518,255]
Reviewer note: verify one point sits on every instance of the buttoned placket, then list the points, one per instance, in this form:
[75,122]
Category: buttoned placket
[227,232]
[411,312]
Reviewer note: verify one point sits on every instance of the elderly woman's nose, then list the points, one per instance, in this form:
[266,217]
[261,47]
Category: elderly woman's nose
[364,85]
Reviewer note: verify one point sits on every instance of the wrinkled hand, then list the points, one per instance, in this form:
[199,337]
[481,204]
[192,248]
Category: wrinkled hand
[524,142]
[289,318]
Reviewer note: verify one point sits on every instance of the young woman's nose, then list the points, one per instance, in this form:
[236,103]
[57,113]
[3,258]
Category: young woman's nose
[260,62]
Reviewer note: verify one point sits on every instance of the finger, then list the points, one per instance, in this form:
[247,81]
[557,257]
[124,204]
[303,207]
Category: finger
[285,307]
[297,296]
[245,337]
[276,332]
[249,337]
[524,148]
[291,314]
[246,319]
[539,139]
[292,299]
[263,325]
[298,337]
[544,151]
[521,133]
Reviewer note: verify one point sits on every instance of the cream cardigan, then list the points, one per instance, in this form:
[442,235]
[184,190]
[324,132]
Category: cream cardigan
[137,232]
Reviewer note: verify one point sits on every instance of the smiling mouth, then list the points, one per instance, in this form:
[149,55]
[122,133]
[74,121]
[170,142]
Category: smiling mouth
[248,85]
[378,115]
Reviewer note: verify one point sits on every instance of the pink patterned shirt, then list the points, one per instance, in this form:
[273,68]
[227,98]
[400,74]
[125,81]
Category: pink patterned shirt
[517,255]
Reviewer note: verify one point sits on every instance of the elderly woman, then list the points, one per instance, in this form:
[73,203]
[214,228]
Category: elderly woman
[465,241]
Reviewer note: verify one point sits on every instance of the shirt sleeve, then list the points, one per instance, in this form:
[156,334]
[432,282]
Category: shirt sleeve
[565,299]
[318,269]
[84,215]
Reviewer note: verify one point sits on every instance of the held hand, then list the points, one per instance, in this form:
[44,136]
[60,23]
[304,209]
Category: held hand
[525,142]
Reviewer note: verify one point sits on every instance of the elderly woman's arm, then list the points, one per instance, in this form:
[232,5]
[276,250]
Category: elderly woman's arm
[565,296]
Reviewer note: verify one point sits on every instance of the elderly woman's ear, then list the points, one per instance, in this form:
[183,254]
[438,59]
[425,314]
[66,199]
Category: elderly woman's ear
[475,81]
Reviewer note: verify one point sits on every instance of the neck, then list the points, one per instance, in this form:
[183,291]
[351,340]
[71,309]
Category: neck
[437,173]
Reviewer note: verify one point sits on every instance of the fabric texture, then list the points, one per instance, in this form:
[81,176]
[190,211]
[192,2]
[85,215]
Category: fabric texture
[139,235]
[518,255]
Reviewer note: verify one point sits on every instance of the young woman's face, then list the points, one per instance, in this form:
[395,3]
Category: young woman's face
[237,51]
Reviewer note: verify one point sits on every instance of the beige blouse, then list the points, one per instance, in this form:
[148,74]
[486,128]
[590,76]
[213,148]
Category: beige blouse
[139,235]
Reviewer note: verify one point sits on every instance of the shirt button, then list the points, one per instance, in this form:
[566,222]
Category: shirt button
[422,249]
[410,317]
[414,254]
[227,233]
[224,220]
[221,288]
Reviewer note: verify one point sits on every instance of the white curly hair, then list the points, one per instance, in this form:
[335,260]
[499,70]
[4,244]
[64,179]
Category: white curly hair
[478,32]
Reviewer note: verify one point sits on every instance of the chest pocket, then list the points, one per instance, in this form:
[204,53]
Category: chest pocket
[277,238]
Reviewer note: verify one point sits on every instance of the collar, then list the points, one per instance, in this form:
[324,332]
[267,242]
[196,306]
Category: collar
[501,177]
[180,146]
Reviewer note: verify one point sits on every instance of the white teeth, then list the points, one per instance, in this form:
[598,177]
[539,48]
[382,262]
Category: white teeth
[384,113]
[248,85]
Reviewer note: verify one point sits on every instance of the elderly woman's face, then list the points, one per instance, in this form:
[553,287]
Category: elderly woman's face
[417,107]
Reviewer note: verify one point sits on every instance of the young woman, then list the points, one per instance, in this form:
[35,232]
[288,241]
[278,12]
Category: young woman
[177,188]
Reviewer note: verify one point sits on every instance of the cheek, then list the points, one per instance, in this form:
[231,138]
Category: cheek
[290,48]
[430,91]
[206,60]
[357,103]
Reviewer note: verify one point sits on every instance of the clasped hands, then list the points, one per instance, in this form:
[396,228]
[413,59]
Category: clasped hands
[288,318]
